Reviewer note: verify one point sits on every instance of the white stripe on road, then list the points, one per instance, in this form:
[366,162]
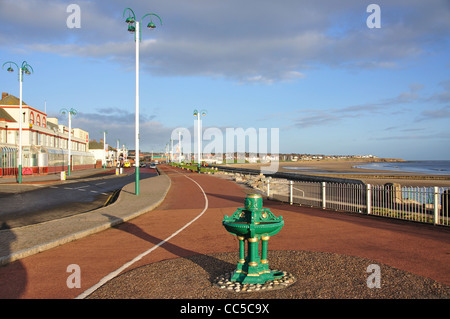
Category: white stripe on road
[82,187]
[115,273]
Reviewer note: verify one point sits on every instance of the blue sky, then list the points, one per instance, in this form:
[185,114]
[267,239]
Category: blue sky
[312,69]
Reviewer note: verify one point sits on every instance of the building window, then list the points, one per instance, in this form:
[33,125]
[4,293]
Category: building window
[38,120]
[32,118]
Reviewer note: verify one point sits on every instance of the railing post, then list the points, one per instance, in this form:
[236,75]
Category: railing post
[291,191]
[324,204]
[369,199]
[436,206]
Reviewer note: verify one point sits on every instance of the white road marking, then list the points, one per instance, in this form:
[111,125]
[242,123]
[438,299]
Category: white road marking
[115,273]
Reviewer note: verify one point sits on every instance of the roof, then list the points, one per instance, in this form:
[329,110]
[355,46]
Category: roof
[4,116]
[94,145]
[11,100]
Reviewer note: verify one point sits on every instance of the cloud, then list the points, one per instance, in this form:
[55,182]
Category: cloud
[443,96]
[429,136]
[256,41]
[325,117]
[442,100]
[442,113]
[120,125]
[316,118]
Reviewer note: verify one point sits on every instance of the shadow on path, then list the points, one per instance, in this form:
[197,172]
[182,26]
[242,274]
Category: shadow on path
[13,276]
[208,263]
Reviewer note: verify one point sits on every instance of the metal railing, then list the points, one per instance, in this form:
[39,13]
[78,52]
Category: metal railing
[420,204]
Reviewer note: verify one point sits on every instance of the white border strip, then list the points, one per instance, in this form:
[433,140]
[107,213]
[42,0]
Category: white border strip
[139,257]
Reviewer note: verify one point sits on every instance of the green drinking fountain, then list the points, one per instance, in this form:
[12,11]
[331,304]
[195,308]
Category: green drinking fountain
[253,224]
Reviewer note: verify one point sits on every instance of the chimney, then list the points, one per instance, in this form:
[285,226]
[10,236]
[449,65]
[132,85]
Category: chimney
[4,94]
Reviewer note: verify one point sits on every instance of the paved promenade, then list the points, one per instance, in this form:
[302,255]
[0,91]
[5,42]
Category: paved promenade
[169,242]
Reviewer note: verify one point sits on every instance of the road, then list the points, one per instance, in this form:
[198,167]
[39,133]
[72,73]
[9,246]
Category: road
[63,199]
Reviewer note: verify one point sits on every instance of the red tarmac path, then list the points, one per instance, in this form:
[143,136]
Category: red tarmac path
[420,249]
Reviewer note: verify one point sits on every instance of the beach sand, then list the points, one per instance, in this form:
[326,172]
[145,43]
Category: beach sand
[346,169]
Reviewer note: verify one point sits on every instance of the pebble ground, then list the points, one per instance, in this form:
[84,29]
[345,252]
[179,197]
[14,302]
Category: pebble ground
[317,275]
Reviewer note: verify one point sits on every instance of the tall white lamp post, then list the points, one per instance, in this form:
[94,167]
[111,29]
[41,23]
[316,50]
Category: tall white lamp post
[134,27]
[24,68]
[104,149]
[198,114]
[71,112]
[179,147]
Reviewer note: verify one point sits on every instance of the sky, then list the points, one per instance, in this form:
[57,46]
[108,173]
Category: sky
[333,77]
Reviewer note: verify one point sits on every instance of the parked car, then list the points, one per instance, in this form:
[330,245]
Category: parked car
[142,165]
[152,165]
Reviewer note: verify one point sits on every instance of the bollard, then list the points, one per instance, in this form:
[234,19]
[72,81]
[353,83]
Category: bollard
[63,175]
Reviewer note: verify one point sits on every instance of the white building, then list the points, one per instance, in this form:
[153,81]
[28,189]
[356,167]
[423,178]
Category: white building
[44,141]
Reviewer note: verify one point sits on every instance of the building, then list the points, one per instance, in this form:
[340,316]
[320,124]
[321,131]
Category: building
[103,153]
[44,141]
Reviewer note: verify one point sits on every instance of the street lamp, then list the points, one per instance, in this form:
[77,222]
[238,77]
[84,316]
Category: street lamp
[104,151]
[24,68]
[179,147]
[71,112]
[134,27]
[171,151]
[198,114]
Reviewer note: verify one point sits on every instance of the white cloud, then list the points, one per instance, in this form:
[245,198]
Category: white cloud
[318,117]
[120,124]
[255,41]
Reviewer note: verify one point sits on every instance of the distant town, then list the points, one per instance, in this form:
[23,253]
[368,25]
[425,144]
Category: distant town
[247,158]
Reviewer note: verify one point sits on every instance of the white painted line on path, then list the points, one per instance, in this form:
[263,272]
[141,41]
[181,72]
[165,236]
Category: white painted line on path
[115,273]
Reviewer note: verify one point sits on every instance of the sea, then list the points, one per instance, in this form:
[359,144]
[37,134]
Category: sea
[417,167]
[425,195]
[441,167]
